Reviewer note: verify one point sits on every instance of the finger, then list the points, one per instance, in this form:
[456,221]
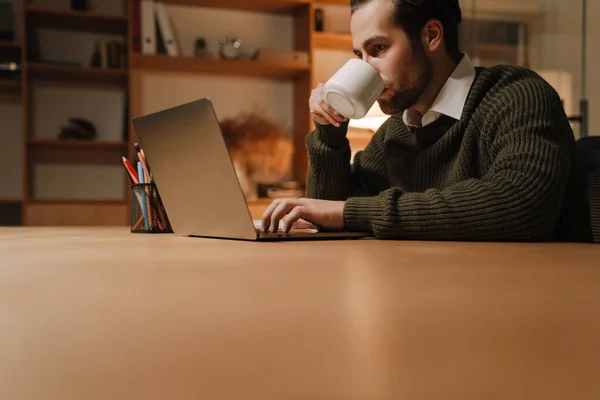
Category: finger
[319,120]
[293,216]
[282,209]
[324,114]
[266,219]
[317,113]
[331,111]
[303,224]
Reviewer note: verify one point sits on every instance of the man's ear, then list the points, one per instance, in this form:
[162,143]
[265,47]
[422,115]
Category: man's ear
[433,35]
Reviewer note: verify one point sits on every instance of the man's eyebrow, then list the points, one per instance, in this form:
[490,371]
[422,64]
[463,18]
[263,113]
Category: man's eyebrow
[370,40]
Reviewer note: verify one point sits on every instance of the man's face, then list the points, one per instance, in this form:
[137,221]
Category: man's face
[404,67]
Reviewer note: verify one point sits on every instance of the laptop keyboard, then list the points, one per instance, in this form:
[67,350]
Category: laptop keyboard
[281,233]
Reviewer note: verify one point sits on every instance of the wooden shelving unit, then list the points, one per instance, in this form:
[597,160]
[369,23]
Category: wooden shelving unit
[334,2]
[77,202]
[42,71]
[301,11]
[50,151]
[76,212]
[333,41]
[248,68]
[76,20]
[36,151]
[9,44]
[10,86]
[260,6]
[497,51]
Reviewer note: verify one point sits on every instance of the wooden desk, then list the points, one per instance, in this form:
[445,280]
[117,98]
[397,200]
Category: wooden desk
[104,314]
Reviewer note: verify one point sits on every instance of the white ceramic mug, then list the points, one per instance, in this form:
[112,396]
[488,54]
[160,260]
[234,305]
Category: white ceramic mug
[353,89]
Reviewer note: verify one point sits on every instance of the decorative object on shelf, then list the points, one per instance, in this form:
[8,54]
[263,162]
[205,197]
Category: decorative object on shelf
[230,48]
[99,54]
[108,54]
[80,5]
[200,49]
[78,128]
[10,70]
[7,30]
[319,19]
[275,55]
[255,55]
[260,149]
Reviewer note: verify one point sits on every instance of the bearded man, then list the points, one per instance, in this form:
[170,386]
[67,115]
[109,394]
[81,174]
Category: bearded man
[482,154]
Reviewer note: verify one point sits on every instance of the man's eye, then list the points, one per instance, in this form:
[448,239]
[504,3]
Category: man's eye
[379,48]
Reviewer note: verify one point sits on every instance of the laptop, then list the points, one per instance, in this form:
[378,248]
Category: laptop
[194,174]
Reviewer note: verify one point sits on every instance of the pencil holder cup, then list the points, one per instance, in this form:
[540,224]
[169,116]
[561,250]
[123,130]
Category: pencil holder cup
[148,214]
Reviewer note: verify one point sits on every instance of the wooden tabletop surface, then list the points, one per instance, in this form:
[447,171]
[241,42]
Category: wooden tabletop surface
[105,314]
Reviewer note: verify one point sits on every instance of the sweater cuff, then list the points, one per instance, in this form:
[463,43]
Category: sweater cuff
[360,212]
[332,136]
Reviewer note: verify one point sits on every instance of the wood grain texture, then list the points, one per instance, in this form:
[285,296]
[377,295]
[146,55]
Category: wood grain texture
[333,41]
[82,75]
[83,21]
[9,44]
[82,152]
[109,314]
[248,68]
[9,87]
[76,213]
[265,6]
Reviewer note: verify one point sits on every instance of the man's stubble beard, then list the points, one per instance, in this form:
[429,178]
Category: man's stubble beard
[406,95]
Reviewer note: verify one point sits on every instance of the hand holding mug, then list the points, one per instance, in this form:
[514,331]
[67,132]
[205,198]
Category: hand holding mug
[321,110]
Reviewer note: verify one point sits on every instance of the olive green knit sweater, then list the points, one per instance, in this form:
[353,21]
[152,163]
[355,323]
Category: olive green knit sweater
[507,171]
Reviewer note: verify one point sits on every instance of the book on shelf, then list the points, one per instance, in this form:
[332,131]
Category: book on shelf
[153,31]
[164,30]
[109,54]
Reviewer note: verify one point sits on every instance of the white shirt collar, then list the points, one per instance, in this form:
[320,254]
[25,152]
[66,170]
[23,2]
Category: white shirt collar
[450,100]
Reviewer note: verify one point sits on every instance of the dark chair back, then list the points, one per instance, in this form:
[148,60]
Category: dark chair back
[589,155]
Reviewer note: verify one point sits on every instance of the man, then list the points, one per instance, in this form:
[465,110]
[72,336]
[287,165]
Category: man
[467,154]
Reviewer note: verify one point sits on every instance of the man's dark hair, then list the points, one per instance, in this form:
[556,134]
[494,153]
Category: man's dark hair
[412,15]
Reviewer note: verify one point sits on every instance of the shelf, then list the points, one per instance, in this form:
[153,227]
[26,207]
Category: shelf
[9,201]
[50,202]
[333,41]
[334,2]
[84,21]
[114,76]
[263,6]
[70,212]
[493,48]
[9,44]
[10,86]
[51,151]
[505,7]
[503,53]
[249,68]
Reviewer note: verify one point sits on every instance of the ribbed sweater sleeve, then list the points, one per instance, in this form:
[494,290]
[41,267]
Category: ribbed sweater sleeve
[330,175]
[518,198]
